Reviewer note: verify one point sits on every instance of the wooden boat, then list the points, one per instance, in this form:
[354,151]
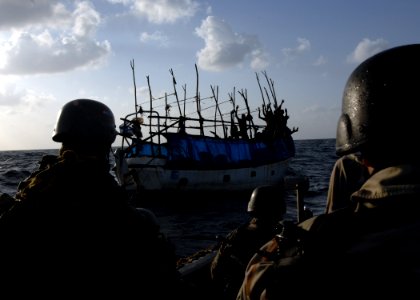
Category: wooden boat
[192,152]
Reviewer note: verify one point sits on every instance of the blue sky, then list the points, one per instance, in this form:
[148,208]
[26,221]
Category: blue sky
[54,51]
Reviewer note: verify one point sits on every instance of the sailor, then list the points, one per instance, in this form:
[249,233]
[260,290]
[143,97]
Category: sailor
[371,246]
[72,229]
[266,208]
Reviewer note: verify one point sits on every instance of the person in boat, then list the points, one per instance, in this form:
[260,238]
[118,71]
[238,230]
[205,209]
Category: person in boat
[136,125]
[182,126]
[266,208]
[370,247]
[72,229]
[268,117]
[242,123]
[234,132]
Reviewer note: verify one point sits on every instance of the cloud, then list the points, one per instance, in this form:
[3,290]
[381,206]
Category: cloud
[162,11]
[259,60]
[365,49]
[49,47]
[156,37]
[321,60]
[13,98]
[225,49]
[304,45]
[320,109]
[20,14]
[9,95]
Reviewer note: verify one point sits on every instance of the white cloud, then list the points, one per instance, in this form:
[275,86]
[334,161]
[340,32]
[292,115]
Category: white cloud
[13,98]
[365,49]
[86,20]
[225,48]
[125,2]
[163,11]
[304,45]
[259,60]
[54,47]
[9,95]
[321,60]
[20,14]
[156,37]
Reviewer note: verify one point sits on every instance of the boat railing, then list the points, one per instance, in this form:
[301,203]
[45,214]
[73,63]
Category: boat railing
[131,131]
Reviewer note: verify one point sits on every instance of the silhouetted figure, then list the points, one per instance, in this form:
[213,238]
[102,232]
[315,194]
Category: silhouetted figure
[266,208]
[234,132]
[243,126]
[72,229]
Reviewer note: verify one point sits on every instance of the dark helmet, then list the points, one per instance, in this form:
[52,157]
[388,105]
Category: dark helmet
[381,105]
[149,216]
[85,121]
[267,201]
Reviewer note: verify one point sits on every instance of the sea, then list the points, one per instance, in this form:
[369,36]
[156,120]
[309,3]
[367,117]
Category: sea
[200,224]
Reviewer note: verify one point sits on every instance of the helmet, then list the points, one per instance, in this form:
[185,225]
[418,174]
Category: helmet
[267,201]
[149,216]
[87,121]
[381,105]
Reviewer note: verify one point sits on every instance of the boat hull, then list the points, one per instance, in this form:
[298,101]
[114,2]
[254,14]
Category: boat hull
[151,174]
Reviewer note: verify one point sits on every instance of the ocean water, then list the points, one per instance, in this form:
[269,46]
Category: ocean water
[198,223]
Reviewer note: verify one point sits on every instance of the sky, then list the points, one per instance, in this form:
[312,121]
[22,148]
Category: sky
[52,52]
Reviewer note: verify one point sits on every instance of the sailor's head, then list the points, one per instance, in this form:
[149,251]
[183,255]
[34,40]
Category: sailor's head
[381,106]
[267,202]
[85,123]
